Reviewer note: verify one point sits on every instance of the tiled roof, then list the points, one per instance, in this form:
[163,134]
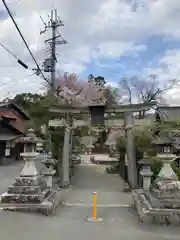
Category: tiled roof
[9,115]
[6,137]
[15,107]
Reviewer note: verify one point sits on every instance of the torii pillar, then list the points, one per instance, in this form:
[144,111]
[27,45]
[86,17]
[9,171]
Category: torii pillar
[130,149]
[67,149]
[65,158]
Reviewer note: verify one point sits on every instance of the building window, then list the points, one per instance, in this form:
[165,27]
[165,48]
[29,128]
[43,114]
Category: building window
[8,144]
[12,143]
[7,152]
[167,149]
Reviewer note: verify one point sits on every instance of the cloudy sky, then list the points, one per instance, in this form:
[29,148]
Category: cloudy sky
[112,38]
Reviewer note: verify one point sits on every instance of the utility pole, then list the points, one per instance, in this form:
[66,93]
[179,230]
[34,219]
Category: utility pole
[53,50]
[50,63]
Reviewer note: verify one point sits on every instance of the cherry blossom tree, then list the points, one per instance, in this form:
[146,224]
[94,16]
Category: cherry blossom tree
[72,90]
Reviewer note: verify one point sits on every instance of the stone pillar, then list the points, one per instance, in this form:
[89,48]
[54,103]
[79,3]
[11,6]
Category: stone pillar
[8,149]
[89,150]
[146,173]
[130,150]
[126,169]
[90,147]
[49,180]
[65,158]
[70,149]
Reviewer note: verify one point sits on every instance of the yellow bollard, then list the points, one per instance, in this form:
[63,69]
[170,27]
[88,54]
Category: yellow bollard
[94,217]
[94,206]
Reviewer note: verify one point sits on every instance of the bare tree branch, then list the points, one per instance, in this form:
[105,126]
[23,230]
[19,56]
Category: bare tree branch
[145,90]
[127,87]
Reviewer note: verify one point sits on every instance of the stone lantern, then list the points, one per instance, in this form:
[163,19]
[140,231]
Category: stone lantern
[75,156]
[49,171]
[30,191]
[145,172]
[90,147]
[164,146]
[49,162]
[161,203]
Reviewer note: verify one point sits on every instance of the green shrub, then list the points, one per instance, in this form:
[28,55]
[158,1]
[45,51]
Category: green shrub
[121,145]
[155,168]
[157,165]
[175,167]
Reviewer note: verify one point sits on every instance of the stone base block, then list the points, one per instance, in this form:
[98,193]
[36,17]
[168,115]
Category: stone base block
[26,189]
[30,181]
[46,207]
[91,219]
[148,213]
[25,198]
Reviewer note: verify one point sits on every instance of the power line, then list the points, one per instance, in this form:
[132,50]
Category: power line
[19,31]
[18,60]
[8,51]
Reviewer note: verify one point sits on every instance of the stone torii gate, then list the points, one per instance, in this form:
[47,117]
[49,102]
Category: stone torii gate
[96,111]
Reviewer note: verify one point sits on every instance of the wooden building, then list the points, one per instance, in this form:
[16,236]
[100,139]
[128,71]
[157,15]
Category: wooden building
[12,127]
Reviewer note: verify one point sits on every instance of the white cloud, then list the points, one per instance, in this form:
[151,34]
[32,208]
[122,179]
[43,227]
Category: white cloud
[113,49]
[94,30]
[168,68]
[171,62]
